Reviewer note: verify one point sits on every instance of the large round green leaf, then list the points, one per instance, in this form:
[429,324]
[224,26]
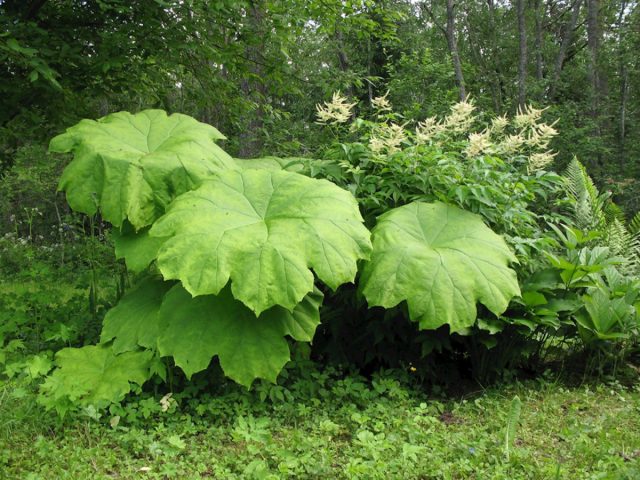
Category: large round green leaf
[138,249]
[441,260]
[133,322]
[132,166]
[264,230]
[94,375]
[193,330]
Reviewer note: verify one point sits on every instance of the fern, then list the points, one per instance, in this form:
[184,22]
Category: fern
[617,237]
[594,211]
[589,204]
[613,211]
[634,224]
[625,245]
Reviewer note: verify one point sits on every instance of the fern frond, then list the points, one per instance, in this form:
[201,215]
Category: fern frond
[573,178]
[589,203]
[633,254]
[512,424]
[625,245]
[617,237]
[634,224]
[613,211]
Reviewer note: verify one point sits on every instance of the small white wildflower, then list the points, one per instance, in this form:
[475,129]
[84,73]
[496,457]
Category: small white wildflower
[376,144]
[427,129]
[538,161]
[527,116]
[396,135]
[499,124]
[478,143]
[461,117]
[541,134]
[336,111]
[381,103]
[166,401]
[388,138]
[511,143]
[547,131]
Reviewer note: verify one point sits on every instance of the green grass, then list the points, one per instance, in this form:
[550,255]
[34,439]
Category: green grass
[324,425]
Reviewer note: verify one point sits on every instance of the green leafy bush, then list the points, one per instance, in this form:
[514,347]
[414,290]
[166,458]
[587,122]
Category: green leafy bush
[248,241]
[496,168]
[243,241]
[132,166]
[237,256]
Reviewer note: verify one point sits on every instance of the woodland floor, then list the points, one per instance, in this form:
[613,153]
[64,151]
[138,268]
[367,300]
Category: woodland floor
[325,426]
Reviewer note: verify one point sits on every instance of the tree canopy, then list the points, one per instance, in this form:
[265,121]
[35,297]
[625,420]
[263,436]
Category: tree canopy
[256,69]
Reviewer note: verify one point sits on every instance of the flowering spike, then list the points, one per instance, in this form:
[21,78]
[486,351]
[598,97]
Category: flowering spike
[336,111]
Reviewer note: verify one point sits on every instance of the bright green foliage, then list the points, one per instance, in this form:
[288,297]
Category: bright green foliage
[596,212]
[586,291]
[625,244]
[320,423]
[132,166]
[247,239]
[441,260]
[588,202]
[138,249]
[606,316]
[488,169]
[133,322]
[261,226]
[193,330]
[94,375]
[512,424]
[264,230]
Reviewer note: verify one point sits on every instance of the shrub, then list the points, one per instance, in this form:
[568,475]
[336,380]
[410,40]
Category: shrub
[236,256]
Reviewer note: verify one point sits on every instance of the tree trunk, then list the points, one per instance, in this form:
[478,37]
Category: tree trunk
[567,40]
[538,40]
[253,89]
[594,33]
[342,55]
[624,100]
[453,49]
[450,34]
[495,58]
[343,59]
[522,64]
[624,85]
[484,57]
[593,44]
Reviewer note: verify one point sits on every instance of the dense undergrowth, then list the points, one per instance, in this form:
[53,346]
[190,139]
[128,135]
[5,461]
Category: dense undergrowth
[427,304]
[325,423]
[450,250]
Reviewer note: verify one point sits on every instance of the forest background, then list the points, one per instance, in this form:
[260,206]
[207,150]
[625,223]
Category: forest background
[257,69]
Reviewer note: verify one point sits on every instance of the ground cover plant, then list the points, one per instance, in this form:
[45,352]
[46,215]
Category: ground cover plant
[323,423]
